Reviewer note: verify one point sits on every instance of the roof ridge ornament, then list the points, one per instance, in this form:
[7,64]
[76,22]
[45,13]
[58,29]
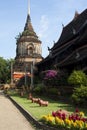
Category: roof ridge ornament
[76,14]
[62,25]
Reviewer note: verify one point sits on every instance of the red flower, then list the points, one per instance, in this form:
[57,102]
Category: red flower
[77,110]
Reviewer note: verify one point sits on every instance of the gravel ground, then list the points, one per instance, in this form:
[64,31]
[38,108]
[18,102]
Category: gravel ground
[10,116]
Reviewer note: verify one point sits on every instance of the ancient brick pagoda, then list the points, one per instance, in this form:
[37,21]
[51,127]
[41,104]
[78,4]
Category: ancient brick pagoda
[28,50]
[70,51]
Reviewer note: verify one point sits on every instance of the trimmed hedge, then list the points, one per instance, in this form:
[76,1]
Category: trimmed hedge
[79,97]
[77,78]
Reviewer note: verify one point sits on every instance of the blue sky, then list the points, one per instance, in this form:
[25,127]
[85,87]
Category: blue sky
[47,17]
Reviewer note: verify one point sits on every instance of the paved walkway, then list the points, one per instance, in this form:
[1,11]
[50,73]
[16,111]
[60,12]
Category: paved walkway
[10,116]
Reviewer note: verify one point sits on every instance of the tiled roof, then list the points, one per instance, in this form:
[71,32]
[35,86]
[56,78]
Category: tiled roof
[74,37]
[71,29]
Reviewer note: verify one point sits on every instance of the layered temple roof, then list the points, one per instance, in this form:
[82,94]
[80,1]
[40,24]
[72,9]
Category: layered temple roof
[71,48]
[73,28]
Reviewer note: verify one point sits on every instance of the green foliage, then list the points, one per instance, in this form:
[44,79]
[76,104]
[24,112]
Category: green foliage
[5,70]
[39,89]
[37,79]
[80,95]
[77,78]
[53,91]
[27,32]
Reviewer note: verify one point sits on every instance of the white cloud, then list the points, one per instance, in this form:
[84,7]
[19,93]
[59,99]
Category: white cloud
[43,27]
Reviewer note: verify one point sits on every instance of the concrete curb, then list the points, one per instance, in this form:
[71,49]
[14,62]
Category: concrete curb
[29,117]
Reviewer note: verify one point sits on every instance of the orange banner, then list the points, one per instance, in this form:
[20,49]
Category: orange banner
[17,75]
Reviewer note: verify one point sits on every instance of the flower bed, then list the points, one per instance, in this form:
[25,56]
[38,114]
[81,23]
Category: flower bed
[64,120]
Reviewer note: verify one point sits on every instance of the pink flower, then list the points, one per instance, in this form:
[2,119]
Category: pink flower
[77,110]
[51,74]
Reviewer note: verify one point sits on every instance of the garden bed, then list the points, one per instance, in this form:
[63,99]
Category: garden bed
[36,112]
[31,119]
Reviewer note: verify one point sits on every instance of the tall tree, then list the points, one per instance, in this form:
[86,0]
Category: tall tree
[5,70]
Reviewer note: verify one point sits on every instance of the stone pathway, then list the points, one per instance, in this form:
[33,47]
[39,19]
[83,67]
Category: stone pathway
[10,116]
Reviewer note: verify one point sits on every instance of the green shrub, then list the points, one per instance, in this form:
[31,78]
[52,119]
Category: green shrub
[39,89]
[79,96]
[37,79]
[77,78]
[53,91]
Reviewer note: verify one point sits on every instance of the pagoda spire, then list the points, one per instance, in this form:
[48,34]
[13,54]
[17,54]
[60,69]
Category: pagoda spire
[28,15]
[28,7]
[28,24]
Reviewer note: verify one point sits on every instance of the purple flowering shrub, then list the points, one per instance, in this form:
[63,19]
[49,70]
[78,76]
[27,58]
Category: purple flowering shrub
[50,77]
[54,78]
[50,74]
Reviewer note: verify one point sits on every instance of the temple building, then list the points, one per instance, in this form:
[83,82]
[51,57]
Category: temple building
[28,50]
[70,51]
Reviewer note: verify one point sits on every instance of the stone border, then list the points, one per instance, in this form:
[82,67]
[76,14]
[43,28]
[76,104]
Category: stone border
[29,117]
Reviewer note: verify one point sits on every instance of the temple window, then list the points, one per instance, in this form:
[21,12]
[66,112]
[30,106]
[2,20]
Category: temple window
[30,50]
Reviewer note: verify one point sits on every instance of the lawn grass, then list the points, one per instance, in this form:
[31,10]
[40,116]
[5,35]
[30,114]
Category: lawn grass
[37,111]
